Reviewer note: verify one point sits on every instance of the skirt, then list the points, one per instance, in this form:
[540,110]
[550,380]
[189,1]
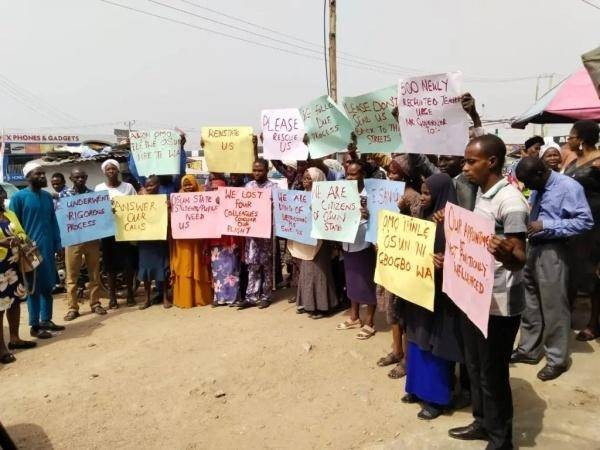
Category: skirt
[316,287]
[359,268]
[428,377]
[153,260]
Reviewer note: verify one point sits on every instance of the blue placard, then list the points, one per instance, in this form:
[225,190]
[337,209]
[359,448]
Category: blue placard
[293,219]
[381,194]
[85,217]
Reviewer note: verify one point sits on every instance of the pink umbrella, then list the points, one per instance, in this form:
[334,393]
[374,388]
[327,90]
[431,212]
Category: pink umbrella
[571,100]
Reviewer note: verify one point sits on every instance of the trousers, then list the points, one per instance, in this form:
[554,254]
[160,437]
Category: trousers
[546,321]
[487,363]
[39,306]
[75,256]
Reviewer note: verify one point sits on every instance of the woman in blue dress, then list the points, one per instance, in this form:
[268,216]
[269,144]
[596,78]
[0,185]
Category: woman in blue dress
[434,345]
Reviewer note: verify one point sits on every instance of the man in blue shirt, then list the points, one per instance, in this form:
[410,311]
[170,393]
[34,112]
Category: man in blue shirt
[559,209]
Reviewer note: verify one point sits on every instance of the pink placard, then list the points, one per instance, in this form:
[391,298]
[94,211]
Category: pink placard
[468,266]
[245,212]
[195,215]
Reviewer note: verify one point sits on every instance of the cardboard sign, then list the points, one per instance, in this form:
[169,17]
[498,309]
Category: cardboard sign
[85,217]
[283,134]
[195,215]
[245,212]
[431,116]
[468,266]
[405,257]
[328,128]
[228,149]
[381,194]
[293,219]
[156,152]
[141,217]
[376,129]
[336,210]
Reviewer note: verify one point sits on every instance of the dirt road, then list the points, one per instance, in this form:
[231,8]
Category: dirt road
[222,378]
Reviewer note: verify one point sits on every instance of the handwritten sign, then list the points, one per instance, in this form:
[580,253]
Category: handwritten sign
[156,152]
[245,212]
[141,217]
[293,219]
[85,217]
[376,129]
[283,134]
[468,266]
[431,116]
[195,215]
[327,127]
[405,257]
[381,194]
[336,210]
[228,149]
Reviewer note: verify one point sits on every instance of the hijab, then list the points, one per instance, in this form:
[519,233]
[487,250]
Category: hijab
[192,180]
[109,162]
[316,174]
[442,191]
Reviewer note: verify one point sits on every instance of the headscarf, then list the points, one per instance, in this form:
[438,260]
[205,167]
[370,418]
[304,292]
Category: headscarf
[192,180]
[29,166]
[441,188]
[545,148]
[316,174]
[110,162]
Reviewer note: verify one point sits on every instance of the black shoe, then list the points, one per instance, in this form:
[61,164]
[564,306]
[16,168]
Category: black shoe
[264,304]
[520,358]
[40,334]
[410,398]
[551,372]
[469,433]
[50,326]
[21,345]
[429,412]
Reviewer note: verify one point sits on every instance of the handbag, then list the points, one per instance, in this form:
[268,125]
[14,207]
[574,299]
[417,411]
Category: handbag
[30,258]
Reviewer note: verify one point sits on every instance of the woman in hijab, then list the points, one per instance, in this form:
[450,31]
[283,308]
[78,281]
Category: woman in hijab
[433,337]
[189,264]
[316,294]
[121,256]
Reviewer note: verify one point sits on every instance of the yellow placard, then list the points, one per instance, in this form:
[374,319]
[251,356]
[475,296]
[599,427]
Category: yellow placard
[141,217]
[228,149]
[405,257]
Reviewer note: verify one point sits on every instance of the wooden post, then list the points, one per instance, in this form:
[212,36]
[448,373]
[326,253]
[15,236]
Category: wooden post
[332,52]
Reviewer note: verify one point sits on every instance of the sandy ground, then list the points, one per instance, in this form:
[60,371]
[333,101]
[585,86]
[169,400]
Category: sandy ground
[222,378]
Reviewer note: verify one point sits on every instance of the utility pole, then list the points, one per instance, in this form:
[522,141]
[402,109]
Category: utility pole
[332,52]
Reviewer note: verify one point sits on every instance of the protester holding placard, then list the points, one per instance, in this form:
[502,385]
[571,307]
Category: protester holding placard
[225,262]
[35,210]
[153,257]
[487,360]
[259,251]
[316,294]
[189,264]
[117,256]
[359,265]
[433,337]
[75,255]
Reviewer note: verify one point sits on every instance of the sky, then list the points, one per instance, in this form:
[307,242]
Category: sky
[87,66]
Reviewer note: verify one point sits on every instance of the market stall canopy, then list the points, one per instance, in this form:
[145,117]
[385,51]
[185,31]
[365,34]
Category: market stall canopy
[571,100]
[591,61]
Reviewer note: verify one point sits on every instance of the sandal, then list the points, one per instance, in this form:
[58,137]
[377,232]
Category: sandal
[587,335]
[397,372]
[7,358]
[365,333]
[98,309]
[348,324]
[388,360]
[71,315]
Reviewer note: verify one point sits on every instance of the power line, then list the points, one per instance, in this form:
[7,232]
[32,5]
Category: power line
[591,4]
